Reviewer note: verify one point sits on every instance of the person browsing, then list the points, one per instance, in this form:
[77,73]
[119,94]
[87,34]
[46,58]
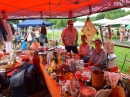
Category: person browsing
[70,37]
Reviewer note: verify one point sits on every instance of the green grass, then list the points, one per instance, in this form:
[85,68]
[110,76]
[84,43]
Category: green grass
[119,51]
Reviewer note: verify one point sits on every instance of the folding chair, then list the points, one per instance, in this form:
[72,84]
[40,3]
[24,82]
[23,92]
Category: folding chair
[125,60]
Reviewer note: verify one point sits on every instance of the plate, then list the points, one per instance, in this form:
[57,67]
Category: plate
[87,91]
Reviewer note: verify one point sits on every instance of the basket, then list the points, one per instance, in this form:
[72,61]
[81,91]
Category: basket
[97,80]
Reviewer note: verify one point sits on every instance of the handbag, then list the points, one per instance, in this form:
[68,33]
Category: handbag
[42,38]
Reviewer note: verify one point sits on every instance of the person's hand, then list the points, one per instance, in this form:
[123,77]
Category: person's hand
[82,54]
[95,65]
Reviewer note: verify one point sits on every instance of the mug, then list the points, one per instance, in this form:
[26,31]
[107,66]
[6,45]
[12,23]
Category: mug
[66,94]
[74,92]
[53,75]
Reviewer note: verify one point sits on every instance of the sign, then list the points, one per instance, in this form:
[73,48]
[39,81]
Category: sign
[89,30]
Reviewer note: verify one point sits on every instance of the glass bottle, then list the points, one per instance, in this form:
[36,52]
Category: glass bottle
[55,57]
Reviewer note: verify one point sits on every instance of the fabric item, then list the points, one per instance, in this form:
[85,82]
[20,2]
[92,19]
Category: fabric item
[37,33]
[73,48]
[12,28]
[4,82]
[21,79]
[29,38]
[86,49]
[99,58]
[9,31]
[24,46]
[30,43]
[3,32]
[89,30]
[42,38]
[8,47]
[69,36]
[18,38]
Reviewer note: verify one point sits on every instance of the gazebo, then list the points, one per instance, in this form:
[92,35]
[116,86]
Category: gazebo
[30,9]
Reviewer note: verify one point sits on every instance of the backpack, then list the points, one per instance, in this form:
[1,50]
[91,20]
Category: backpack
[4,82]
[24,81]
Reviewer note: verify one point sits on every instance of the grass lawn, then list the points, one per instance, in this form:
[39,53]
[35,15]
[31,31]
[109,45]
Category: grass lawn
[119,51]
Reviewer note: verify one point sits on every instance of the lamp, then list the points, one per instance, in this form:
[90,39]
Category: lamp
[34,45]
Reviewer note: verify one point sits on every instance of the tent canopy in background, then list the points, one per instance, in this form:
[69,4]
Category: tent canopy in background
[102,21]
[30,9]
[79,24]
[128,27]
[122,20]
[34,22]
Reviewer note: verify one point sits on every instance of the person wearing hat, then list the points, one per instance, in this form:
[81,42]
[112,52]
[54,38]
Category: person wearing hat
[99,55]
[70,37]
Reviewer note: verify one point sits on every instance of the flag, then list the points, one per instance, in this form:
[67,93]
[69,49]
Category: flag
[89,30]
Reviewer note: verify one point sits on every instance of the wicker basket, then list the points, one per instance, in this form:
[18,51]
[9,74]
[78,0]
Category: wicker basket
[97,80]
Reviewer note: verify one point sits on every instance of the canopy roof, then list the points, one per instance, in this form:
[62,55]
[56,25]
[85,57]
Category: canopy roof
[122,20]
[102,21]
[24,9]
[34,22]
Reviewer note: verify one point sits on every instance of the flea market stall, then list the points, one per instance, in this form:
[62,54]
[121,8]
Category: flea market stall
[64,74]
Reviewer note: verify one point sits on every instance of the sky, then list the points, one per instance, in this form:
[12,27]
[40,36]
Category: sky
[126,9]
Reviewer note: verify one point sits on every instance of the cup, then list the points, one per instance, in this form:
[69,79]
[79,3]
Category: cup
[74,92]
[53,75]
[66,94]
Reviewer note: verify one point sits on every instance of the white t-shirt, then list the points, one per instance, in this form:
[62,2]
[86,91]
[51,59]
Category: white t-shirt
[37,33]
[69,36]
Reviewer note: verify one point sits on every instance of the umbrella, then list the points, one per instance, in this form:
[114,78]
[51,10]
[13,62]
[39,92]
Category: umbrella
[34,22]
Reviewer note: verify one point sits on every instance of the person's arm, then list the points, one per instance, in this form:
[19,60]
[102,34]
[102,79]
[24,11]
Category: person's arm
[76,39]
[63,40]
[76,36]
[90,63]
[62,36]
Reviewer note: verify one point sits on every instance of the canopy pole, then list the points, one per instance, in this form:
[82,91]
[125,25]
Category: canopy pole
[109,31]
[53,31]
[101,34]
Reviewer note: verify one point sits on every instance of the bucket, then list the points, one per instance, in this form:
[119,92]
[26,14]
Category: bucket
[97,80]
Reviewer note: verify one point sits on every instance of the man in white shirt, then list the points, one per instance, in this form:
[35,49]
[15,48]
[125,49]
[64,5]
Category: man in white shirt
[70,37]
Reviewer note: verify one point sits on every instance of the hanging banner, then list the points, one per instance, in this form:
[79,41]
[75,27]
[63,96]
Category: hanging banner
[89,30]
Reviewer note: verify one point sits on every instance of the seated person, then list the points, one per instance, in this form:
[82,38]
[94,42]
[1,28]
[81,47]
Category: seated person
[84,49]
[98,57]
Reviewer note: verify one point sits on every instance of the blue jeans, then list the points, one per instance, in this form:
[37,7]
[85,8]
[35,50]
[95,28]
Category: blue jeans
[86,59]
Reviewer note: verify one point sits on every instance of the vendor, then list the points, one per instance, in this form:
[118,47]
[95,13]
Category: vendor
[84,49]
[99,56]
